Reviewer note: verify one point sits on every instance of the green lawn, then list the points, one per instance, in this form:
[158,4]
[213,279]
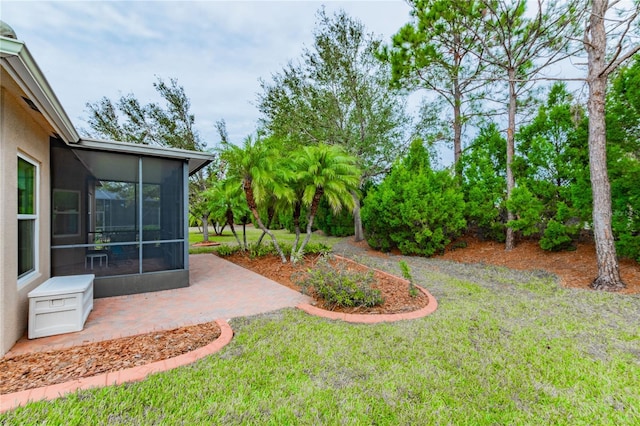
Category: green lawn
[282,235]
[504,347]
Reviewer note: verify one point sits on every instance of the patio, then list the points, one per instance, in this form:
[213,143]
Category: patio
[219,290]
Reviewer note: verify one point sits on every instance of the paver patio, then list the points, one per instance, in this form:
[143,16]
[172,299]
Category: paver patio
[219,290]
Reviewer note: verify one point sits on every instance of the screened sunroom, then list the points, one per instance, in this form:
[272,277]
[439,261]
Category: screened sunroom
[119,211]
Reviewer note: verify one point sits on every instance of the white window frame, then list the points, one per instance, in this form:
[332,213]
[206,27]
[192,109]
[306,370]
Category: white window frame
[29,276]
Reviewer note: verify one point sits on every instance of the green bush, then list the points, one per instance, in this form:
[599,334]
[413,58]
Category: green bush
[529,211]
[227,250]
[339,287]
[484,186]
[557,236]
[267,248]
[317,248]
[416,209]
[334,224]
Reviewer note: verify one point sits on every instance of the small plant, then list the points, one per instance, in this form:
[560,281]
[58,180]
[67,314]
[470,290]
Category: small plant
[227,250]
[340,287]
[262,250]
[406,273]
[317,248]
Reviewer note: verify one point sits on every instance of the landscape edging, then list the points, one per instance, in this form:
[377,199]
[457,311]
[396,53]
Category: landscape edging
[14,400]
[431,307]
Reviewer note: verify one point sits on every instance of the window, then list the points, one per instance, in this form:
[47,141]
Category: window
[66,212]
[27,217]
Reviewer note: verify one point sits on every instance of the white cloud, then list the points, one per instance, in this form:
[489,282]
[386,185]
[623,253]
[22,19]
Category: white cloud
[216,49]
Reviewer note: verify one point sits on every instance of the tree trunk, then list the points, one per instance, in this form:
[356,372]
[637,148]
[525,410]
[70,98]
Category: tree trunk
[312,214]
[511,131]
[270,214]
[608,270]
[233,230]
[357,220]
[457,120]
[296,227]
[251,202]
[205,227]
[244,234]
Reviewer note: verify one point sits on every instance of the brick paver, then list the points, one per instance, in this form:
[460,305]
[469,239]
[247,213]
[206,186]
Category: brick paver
[218,289]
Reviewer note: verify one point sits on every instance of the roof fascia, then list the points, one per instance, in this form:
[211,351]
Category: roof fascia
[22,67]
[197,159]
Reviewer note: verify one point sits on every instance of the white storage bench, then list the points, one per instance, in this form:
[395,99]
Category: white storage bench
[60,305]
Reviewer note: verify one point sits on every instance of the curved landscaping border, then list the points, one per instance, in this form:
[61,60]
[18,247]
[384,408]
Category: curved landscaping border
[431,307]
[13,400]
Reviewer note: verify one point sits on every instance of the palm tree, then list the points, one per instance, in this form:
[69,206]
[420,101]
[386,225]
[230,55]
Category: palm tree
[323,171]
[226,200]
[255,165]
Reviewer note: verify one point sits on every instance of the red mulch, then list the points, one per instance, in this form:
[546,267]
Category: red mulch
[576,269]
[395,291]
[28,371]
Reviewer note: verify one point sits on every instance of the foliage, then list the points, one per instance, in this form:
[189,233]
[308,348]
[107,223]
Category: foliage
[338,93]
[317,248]
[338,286]
[416,209]
[557,236]
[334,224]
[483,167]
[552,173]
[439,50]
[623,155]
[227,250]
[322,171]
[171,125]
[227,204]
[259,169]
[519,47]
[406,273]
[261,250]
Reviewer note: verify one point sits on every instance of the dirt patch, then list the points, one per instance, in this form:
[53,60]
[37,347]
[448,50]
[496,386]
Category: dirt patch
[395,291]
[30,371]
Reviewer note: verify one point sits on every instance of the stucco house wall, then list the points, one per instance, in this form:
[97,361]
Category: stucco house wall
[32,120]
[21,132]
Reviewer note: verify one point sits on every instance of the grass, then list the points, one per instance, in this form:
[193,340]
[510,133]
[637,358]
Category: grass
[504,347]
[282,235]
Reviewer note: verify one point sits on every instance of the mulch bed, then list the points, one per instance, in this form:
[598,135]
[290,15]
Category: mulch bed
[394,290]
[28,371]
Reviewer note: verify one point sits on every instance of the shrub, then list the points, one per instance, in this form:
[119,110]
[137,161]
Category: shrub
[484,186]
[317,248]
[416,209]
[227,250]
[266,248]
[339,287]
[557,237]
[334,224]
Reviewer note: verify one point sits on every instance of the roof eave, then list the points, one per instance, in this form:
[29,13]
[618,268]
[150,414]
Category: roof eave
[197,159]
[21,66]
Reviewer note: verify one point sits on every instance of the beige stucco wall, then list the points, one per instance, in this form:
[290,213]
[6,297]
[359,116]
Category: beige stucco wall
[24,131]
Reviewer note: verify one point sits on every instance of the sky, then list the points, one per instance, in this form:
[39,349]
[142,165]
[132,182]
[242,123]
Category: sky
[217,50]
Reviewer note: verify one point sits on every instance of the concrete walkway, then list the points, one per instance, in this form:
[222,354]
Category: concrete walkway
[219,290]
